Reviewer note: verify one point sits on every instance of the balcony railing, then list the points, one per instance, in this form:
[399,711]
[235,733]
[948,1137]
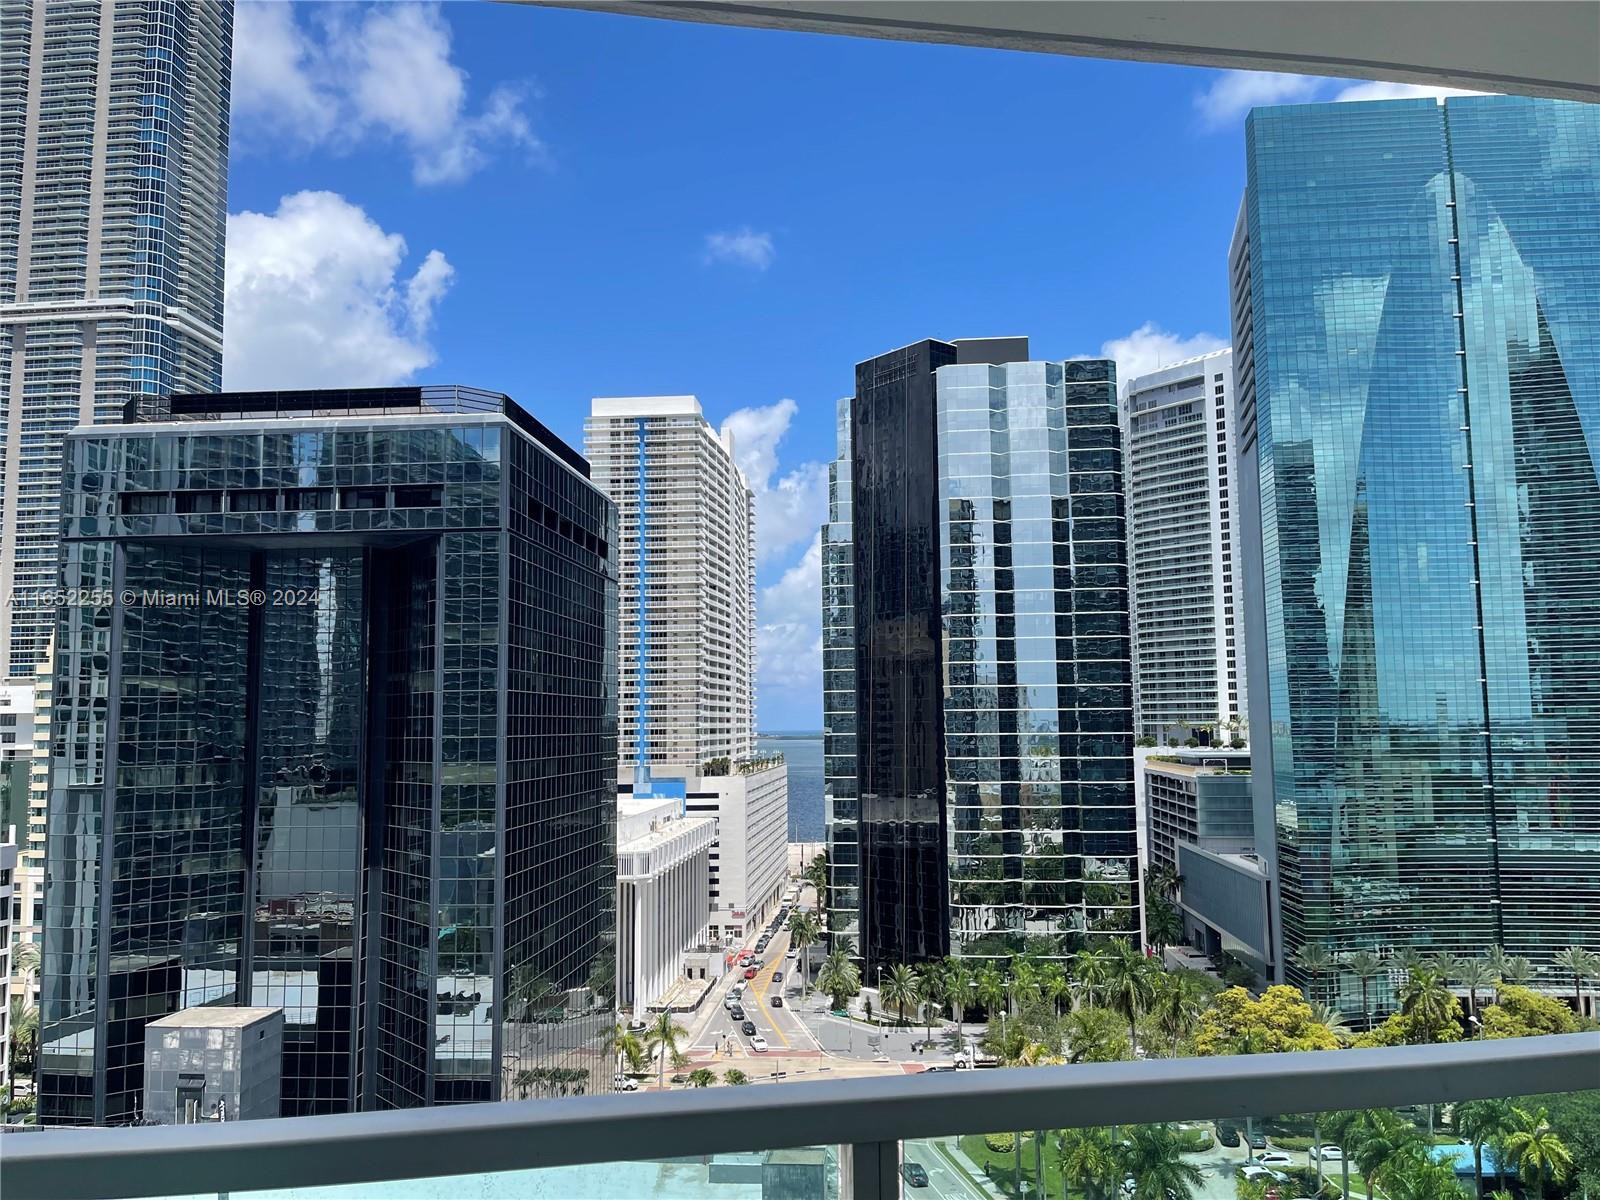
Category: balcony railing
[851,1131]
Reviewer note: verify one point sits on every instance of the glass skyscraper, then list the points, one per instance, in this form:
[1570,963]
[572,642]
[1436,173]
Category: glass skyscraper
[334,731]
[113,194]
[1416,294]
[992,810]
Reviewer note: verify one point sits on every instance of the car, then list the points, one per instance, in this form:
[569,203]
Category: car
[1273,1158]
[1257,1140]
[739,986]
[749,972]
[1129,1187]
[730,1000]
[748,1029]
[914,1173]
[737,1012]
[1330,1153]
[622,1083]
[758,1044]
[1227,1134]
[777,1000]
[777,977]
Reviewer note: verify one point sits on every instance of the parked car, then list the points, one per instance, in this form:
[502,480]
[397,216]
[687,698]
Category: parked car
[915,1174]
[1227,1134]
[737,1012]
[749,972]
[1257,1140]
[1330,1153]
[748,1029]
[758,1044]
[1254,1172]
[623,1083]
[1273,1158]
[777,1000]
[731,999]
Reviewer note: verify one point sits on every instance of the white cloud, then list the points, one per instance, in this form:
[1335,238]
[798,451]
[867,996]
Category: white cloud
[315,298]
[789,507]
[383,71]
[1234,93]
[743,247]
[1150,346]
[789,627]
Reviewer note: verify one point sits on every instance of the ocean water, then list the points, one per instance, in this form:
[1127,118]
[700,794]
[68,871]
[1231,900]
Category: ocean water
[803,754]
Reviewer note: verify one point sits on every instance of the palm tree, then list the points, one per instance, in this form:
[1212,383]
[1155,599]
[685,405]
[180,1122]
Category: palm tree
[1162,882]
[1425,998]
[1022,982]
[23,1022]
[1089,965]
[1322,1014]
[1313,958]
[734,1077]
[1581,964]
[1365,966]
[1484,1123]
[840,978]
[1406,959]
[816,874]
[931,993]
[25,962]
[961,989]
[1089,1162]
[804,930]
[702,1077]
[1179,1001]
[1444,964]
[663,1035]
[1540,1154]
[1152,1159]
[1382,1141]
[1053,985]
[1518,971]
[1163,924]
[1341,1127]
[1472,974]
[627,1046]
[990,990]
[1130,986]
[899,989]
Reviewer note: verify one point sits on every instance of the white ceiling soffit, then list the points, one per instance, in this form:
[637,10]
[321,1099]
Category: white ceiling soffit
[1530,47]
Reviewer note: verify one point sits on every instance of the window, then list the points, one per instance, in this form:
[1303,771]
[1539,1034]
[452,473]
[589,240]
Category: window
[199,502]
[139,504]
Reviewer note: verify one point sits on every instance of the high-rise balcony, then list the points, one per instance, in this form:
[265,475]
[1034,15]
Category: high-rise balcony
[886,1137]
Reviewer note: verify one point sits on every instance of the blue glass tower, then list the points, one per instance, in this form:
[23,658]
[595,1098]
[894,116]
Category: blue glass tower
[1416,296]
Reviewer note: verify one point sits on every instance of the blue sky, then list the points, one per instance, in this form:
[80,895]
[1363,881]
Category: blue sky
[561,205]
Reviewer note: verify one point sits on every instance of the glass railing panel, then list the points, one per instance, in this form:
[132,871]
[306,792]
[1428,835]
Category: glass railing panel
[1510,1148]
[809,1173]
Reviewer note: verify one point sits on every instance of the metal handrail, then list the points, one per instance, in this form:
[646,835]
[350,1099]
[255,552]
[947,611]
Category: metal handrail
[864,1113]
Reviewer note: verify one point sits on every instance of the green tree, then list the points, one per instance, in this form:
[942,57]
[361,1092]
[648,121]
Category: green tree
[625,1043]
[1580,964]
[1089,966]
[1053,985]
[663,1036]
[1281,1020]
[931,993]
[1151,1158]
[734,1077]
[804,930]
[1365,966]
[1090,1162]
[1314,959]
[840,978]
[1518,1012]
[1431,1006]
[990,989]
[898,989]
[1176,1006]
[1518,971]
[961,989]
[702,1077]
[1472,974]
[1381,1143]
[1333,1021]
[1163,924]
[1537,1150]
[1094,1034]
[1130,986]
[23,1023]
[1484,1123]
[816,874]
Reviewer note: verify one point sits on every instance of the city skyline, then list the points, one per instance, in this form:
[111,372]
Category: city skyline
[510,113]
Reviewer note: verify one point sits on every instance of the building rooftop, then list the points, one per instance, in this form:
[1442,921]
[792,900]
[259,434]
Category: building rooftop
[214,1016]
[645,406]
[444,399]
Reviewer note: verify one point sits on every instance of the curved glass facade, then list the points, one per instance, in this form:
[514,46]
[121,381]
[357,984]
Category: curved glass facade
[1418,290]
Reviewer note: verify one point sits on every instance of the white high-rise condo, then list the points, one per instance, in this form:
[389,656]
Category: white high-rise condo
[113,194]
[1182,464]
[686,560]
[686,624]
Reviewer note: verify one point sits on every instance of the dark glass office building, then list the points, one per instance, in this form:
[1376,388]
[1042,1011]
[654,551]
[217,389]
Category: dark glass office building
[1416,296]
[991,811]
[334,731]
